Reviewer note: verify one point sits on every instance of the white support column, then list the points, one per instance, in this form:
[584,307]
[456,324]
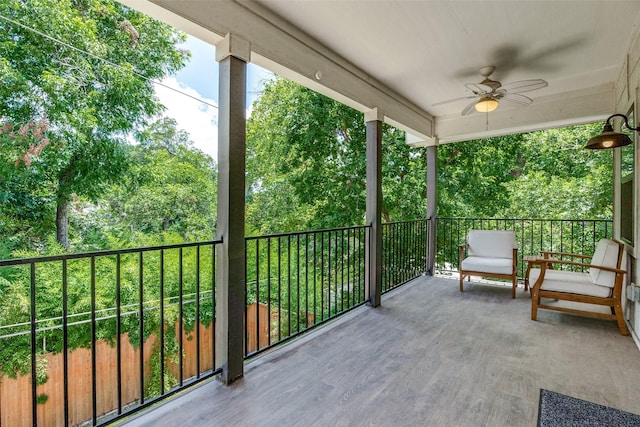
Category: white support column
[373,120]
[232,53]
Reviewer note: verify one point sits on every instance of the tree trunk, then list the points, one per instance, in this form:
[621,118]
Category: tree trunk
[62,222]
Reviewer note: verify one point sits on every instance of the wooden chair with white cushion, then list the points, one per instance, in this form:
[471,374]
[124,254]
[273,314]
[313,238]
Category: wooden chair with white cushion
[600,284]
[490,253]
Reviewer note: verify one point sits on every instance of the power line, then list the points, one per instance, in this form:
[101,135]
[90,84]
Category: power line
[113,64]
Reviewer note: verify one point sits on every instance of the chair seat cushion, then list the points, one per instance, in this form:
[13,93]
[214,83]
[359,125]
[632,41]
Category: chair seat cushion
[488,265]
[570,282]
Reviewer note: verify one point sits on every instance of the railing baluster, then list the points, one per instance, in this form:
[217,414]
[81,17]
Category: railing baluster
[329,273]
[246,311]
[338,257]
[214,281]
[94,386]
[141,326]
[342,270]
[385,257]
[315,290]
[298,283]
[161,331]
[197,324]
[279,289]
[322,275]
[119,333]
[269,291]
[34,401]
[403,253]
[361,256]
[289,285]
[181,315]
[306,279]
[350,296]
[257,296]
[65,344]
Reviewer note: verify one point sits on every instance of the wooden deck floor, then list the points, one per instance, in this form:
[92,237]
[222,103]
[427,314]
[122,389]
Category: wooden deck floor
[430,356]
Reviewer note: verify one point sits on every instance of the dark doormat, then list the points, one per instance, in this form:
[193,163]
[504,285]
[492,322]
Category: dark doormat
[559,410]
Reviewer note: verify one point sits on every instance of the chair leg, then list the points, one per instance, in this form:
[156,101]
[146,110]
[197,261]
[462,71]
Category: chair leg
[535,300]
[461,278]
[620,319]
[513,287]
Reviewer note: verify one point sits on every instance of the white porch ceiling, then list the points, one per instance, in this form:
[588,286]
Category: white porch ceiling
[423,52]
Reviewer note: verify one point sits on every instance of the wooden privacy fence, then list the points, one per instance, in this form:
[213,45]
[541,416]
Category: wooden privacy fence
[15,394]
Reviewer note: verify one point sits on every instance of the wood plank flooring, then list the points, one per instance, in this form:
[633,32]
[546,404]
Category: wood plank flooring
[429,356]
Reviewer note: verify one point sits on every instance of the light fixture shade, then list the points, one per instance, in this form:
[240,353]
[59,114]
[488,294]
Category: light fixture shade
[486,104]
[608,139]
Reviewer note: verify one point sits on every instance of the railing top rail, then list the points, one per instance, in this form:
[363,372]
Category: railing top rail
[300,233]
[461,218]
[405,221]
[111,252]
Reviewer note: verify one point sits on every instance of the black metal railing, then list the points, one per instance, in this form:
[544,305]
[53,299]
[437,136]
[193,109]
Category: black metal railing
[532,236]
[145,315]
[404,252]
[296,281]
[152,310]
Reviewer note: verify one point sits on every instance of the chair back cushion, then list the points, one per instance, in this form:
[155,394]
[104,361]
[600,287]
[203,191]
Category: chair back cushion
[606,255]
[491,243]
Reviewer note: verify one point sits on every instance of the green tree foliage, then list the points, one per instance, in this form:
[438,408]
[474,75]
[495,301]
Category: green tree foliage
[170,188]
[560,179]
[306,169]
[82,93]
[545,174]
[306,164]
[471,176]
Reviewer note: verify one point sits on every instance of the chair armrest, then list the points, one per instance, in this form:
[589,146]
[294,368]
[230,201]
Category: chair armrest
[461,253]
[543,267]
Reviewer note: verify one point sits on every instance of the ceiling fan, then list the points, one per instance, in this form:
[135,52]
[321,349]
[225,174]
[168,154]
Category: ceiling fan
[488,94]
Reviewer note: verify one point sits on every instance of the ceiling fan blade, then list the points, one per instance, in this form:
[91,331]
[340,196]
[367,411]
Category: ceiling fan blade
[469,108]
[453,100]
[516,98]
[525,85]
[478,88]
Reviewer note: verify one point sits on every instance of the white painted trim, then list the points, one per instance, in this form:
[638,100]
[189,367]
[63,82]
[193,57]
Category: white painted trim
[375,114]
[419,141]
[232,45]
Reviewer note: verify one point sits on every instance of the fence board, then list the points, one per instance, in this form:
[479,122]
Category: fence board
[15,394]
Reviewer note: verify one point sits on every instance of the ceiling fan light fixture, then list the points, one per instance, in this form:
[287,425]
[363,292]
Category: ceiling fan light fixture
[488,94]
[610,139]
[486,104]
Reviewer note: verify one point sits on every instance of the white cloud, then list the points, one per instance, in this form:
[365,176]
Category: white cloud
[199,119]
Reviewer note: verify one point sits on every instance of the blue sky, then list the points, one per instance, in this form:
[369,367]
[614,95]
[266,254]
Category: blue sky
[199,79]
